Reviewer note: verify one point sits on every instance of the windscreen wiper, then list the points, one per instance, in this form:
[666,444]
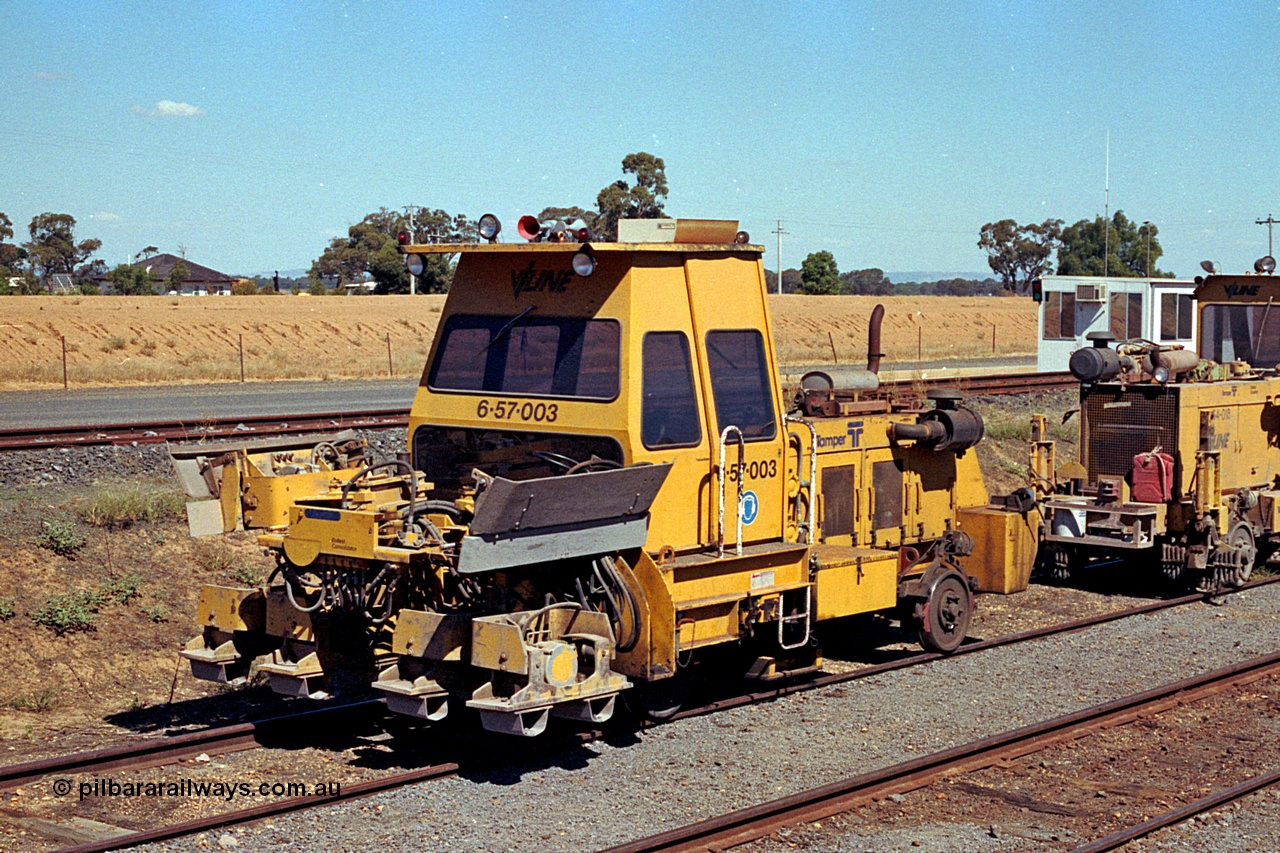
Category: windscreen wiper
[506,330]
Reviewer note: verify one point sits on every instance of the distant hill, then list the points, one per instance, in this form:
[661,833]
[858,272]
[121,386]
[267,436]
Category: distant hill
[295,273]
[932,275]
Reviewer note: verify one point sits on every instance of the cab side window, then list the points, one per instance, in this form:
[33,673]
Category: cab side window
[740,383]
[669,406]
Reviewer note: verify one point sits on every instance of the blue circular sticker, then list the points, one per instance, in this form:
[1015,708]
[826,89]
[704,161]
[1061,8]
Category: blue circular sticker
[750,507]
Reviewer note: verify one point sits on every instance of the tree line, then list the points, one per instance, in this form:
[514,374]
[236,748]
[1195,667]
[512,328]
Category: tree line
[369,252]
[1120,247]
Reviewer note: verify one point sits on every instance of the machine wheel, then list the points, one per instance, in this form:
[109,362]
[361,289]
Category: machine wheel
[943,618]
[1234,565]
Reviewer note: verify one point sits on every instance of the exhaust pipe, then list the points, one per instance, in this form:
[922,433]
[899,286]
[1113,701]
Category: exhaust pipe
[873,340]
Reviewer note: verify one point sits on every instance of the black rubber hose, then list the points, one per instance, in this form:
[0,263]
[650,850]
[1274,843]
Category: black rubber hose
[633,635]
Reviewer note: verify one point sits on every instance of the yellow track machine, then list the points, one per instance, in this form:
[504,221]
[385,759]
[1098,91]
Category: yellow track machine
[1180,449]
[604,486]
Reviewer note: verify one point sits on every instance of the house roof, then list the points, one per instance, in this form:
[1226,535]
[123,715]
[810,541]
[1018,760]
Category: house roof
[159,267]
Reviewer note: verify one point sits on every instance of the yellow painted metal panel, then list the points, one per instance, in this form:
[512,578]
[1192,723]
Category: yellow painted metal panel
[1004,547]
[231,609]
[434,636]
[285,620]
[855,580]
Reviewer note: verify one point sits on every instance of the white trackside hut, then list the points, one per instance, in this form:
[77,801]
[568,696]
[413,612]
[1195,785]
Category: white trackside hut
[1072,306]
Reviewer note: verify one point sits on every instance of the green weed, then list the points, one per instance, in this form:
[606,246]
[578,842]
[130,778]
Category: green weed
[71,611]
[120,590]
[218,557]
[156,613]
[8,608]
[60,537]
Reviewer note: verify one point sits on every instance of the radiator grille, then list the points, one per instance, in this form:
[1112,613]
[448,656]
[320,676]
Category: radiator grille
[1120,424]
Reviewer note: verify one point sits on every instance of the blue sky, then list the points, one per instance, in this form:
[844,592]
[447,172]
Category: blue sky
[887,133]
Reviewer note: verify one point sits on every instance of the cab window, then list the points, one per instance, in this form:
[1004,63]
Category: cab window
[740,384]
[1175,317]
[669,408]
[528,356]
[1240,332]
[1126,316]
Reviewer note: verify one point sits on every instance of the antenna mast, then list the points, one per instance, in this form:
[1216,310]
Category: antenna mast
[1106,215]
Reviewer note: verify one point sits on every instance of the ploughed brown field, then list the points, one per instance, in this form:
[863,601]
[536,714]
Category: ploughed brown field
[119,340]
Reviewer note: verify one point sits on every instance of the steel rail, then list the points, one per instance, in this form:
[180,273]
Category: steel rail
[292,804]
[39,438]
[829,680]
[719,833]
[159,752]
[1118,839]
[155,432]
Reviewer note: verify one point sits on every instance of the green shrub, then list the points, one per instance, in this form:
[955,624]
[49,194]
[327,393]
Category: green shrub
[156,613]
[60,537]
[120,590]
[67,612]
[120,506]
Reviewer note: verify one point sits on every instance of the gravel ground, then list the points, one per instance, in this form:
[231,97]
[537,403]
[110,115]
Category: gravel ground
[593,796]
[83,466]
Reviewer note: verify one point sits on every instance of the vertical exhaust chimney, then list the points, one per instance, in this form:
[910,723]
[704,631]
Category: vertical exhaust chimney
[873,340]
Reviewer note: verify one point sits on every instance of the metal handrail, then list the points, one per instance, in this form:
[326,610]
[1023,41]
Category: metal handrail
[742,447]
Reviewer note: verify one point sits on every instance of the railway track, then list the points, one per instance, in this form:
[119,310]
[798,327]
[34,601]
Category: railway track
[263,426]
[739,827]
[244,736]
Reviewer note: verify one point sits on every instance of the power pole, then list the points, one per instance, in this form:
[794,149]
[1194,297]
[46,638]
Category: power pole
[780,232]
[1269,221]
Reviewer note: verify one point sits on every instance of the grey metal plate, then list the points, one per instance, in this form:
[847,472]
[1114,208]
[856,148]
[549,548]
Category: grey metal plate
[204,518]
[489,553]
[508,506]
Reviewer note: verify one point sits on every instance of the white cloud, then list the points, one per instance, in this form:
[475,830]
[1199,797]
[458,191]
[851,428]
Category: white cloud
[169,109]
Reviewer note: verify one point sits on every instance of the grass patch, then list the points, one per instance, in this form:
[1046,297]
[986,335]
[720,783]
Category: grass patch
[45,700]
[113,343]
[219,557]
[123,505]
[156,613]
[60,537]
[8,608]
[68,612]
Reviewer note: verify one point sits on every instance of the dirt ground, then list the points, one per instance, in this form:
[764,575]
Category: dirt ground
[114,340]
[92,617]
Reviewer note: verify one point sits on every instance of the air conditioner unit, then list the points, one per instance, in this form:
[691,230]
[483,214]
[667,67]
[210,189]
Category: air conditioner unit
[1091,293]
